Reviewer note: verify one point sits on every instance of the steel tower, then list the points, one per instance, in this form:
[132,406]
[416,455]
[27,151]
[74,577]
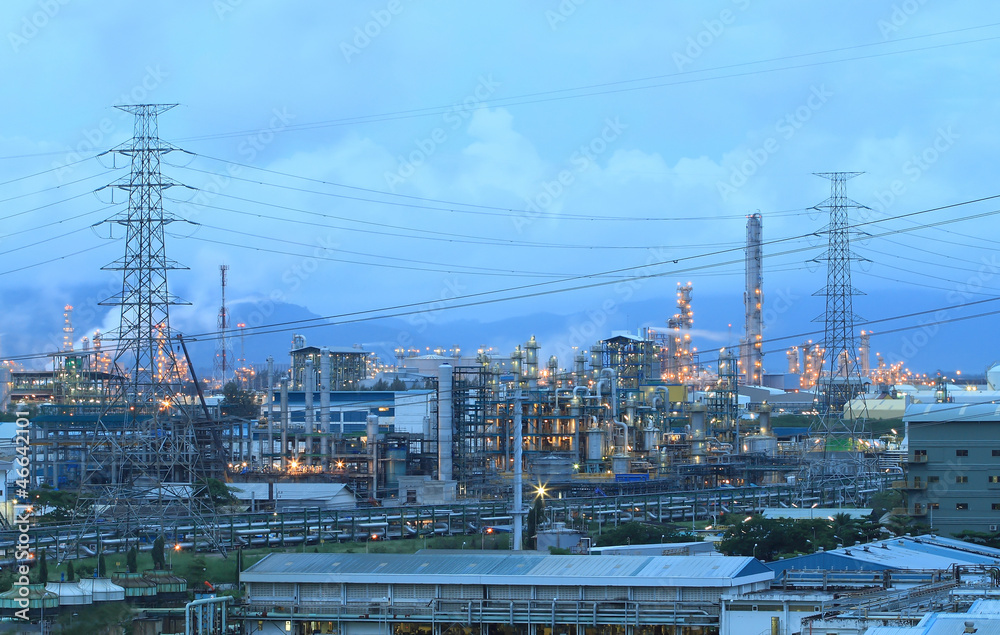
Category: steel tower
[223,350]
[840,378]
[143,463]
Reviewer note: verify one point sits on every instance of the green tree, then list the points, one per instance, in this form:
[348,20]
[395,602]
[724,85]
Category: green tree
[535,516]
[52,505]
[159,561]
[220,493]
[70,572]
[237,402]
[132,559]
[381,385]
[43,568]
[397,385]
[884,502]
[643,534]
[102,566]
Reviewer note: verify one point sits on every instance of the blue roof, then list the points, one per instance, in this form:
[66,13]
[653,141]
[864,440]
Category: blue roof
[823,560]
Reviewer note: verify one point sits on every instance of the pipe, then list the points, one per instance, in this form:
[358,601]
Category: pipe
[217,600]
[613,376]
[445,422]
[269,383]
[372,431]
[309,384]
[284,423]
[517,512]
[324,404]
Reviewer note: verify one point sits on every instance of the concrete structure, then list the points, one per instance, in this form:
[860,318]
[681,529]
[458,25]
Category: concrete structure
[953,466]
[492,593]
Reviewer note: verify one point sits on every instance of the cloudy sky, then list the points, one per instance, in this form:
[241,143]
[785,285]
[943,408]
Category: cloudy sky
[521,167]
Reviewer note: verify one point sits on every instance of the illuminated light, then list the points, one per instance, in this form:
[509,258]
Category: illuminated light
[177,547]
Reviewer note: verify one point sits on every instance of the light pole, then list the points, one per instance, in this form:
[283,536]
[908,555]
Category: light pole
[755,550]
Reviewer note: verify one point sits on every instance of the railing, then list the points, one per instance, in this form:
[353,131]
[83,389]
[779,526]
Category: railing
[469,612]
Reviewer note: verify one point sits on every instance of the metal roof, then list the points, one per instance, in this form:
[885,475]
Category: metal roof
[945,412]
[920,552]
[514,569]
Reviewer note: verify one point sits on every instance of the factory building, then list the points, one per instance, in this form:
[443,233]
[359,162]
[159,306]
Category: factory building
[953,466]
[470,592]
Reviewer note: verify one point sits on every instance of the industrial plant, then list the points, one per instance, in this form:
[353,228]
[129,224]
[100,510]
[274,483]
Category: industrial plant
[326,442]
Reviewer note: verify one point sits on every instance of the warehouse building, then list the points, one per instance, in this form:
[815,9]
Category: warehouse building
[493,593]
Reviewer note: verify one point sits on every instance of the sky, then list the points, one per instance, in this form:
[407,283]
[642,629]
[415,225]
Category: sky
[432,174]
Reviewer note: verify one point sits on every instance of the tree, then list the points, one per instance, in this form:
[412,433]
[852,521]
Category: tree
[381,385]
[102,566]
[237,402]
[397,385]
[132,559]
[43,568]
[218,491]
[70,572]
[53,506]
[643,534]
[159,561]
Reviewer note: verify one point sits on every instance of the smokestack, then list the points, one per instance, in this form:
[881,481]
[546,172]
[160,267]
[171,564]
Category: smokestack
[445,423]
[765,420]
[309,385]
[269,385]
[324,403]
[372,422]
[284,423]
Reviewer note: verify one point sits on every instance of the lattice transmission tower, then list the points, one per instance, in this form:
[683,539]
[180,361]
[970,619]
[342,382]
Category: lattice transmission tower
[144,463]
[223,349]
[840,378]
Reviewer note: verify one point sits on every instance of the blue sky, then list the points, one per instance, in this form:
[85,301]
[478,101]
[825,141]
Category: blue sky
[454,148]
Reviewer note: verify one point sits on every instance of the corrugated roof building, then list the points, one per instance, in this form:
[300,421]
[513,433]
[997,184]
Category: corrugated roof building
[412,591]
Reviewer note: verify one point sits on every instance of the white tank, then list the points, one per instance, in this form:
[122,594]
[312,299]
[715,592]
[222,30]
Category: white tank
[595,452]
[758,444]
[649,436]
[620,464]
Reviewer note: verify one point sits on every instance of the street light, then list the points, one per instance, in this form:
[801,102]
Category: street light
[754,550]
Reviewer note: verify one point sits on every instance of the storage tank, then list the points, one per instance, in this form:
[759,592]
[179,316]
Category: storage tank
[395,466]
[620,463]
[760,444]
[595,440]
[102,589]
[649,436]
[69,593]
